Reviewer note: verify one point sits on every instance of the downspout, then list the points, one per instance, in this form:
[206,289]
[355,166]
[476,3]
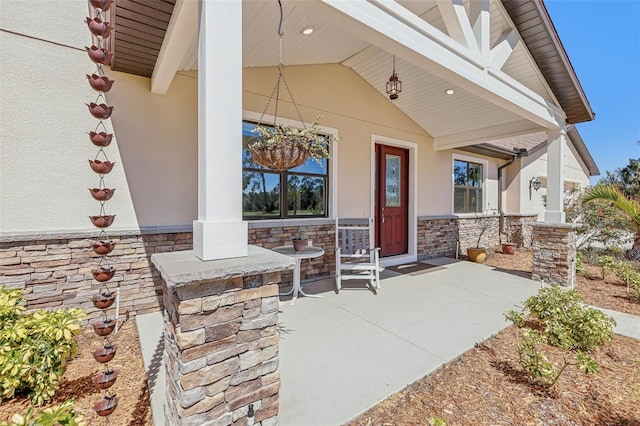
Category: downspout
[500,212]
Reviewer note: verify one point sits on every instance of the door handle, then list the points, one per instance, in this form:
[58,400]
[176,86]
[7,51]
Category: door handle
[382,215]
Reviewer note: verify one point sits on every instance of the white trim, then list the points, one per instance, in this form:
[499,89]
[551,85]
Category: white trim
[333,169]
[412,212]
[485,176]
[180,33]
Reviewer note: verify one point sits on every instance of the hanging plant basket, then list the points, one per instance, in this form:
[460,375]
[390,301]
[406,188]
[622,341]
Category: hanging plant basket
[106,405]
[105,353]
[282,156]
[283,147]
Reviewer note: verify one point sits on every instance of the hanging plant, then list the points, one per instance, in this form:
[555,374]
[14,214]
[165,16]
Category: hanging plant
[284,147]
[281,147]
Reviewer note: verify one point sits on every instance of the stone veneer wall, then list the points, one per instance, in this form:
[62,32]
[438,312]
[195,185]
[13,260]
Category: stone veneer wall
[437,235]
[270,235]
[554,253]
[56,272]
[521,229]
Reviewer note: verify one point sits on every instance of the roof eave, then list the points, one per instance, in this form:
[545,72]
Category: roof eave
[560,81]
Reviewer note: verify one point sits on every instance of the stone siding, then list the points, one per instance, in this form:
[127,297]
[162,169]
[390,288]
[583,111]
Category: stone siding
[437,237]
[554,253]
[521,229]
[470,228]
[322,235]
[56,273]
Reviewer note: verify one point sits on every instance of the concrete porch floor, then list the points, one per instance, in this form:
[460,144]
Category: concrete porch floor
[342,354]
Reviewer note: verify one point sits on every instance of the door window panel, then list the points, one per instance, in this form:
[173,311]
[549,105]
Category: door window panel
[393,181]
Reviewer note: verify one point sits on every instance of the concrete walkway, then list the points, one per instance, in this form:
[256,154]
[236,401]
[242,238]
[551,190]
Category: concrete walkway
[342,354]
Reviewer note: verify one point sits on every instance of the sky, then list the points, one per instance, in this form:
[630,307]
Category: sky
[602,40]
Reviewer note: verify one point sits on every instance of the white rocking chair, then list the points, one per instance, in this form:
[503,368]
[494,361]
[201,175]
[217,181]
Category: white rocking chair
[356,258]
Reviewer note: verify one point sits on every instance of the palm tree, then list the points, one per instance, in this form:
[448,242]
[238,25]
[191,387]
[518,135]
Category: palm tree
[630,207]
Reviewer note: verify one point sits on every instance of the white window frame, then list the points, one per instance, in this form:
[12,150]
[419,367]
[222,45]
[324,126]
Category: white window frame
[485,174]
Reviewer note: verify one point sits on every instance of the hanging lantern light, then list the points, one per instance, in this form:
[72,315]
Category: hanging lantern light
[394,85]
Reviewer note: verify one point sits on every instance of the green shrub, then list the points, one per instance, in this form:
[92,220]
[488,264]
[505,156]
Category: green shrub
[34,347]
[566,323]
[607,264]
[62,414]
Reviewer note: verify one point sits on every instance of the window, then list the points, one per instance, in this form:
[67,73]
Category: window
[467,184]
[263,196]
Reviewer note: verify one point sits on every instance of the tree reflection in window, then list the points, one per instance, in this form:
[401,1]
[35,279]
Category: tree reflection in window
[467,180]
[262,197]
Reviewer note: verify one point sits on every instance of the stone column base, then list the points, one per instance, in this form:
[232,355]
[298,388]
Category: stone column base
[221,337]
[554,252]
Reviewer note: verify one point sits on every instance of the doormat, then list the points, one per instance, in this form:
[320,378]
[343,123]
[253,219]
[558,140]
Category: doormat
[414,268]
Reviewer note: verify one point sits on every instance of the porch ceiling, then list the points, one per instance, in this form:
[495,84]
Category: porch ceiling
[141,26]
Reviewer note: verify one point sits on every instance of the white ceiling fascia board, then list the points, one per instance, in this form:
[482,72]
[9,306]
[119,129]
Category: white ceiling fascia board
[182,29]
[457,22]
[476,136]
[395,29]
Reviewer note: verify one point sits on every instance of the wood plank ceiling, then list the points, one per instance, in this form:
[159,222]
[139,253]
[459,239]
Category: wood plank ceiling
[140,26]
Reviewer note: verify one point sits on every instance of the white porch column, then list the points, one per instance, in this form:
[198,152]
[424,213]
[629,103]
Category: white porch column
[556,146]
[219,232]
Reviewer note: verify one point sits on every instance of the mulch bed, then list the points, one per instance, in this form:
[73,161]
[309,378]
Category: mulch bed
[486,386]
[131,386]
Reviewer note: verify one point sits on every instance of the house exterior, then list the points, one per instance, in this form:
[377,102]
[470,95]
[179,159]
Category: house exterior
[488,105]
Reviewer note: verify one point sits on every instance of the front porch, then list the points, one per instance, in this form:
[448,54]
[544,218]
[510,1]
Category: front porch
[342,354]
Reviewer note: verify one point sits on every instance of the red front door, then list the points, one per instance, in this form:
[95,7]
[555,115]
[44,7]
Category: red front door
[392,199]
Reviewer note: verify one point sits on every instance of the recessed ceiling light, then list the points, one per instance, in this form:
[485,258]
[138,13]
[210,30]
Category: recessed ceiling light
[307,30]
[449,91]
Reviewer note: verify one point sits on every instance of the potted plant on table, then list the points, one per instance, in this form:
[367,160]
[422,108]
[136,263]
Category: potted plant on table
[299,241]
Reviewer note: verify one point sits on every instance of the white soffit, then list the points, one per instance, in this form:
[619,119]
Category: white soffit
[423,98]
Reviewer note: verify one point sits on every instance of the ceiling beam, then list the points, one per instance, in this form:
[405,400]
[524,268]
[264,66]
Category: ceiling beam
[504,47]
[457,22]
[182,30]
[476,136]
[480,17]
